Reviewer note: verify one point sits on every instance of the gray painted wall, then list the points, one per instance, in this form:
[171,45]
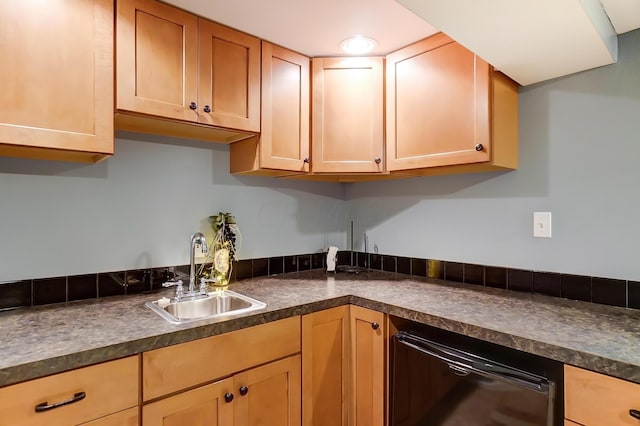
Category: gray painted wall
[138,209]
[579,159]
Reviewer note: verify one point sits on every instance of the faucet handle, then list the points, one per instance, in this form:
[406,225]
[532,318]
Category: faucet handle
[203,286]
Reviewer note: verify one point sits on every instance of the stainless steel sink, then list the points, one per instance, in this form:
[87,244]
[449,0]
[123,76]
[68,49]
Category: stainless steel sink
[220,304]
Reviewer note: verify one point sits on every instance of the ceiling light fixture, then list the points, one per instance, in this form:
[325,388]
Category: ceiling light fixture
[358,45]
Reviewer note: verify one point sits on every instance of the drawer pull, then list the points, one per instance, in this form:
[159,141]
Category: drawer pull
[635,414]
[45,406]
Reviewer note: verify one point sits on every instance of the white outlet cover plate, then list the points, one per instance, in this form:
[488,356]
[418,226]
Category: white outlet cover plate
[542,224]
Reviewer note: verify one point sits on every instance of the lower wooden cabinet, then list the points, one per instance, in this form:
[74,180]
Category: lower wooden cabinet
[367,367]
[92,393]
[265,395]
[325,360]
[128,417]
[343,371]
[269,395]
[204,406]
[593,399]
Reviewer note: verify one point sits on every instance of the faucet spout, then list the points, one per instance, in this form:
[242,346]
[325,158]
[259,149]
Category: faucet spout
[197,238]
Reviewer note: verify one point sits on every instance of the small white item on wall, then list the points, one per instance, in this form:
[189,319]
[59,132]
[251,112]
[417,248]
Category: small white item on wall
[331,258]
[542,224]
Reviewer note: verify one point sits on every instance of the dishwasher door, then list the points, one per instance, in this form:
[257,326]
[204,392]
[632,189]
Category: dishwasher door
[437,385]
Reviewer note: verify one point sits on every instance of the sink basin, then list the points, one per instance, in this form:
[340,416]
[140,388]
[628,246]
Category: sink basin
[219,304]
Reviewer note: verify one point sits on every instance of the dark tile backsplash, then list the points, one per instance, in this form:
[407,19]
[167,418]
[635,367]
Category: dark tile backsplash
[604,291]
[49,290]
[474,274]
[577,287]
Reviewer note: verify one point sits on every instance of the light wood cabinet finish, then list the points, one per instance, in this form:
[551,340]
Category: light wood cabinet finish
[229,78]
[272,394]
[203,406]
[447,107]
[367,390]
[325,367]
[570,423]
[347,115]
[283,144]
[157,57]
[128,417]
[185,365]
[57,71]
[109,387]
[190,72]
[593,399]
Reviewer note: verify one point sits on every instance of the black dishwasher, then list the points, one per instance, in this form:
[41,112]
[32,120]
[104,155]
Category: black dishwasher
[464,384]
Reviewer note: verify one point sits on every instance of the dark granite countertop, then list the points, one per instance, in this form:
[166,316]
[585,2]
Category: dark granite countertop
[41,341]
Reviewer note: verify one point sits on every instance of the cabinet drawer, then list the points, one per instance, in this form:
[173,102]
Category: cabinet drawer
[108,387]
[189,364]
[595,399]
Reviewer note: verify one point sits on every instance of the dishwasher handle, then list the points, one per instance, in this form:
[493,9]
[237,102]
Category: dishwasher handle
[462,363]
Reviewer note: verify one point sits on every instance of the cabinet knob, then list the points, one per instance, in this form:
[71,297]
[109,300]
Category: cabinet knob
[375,325]
[228,397]
[207,108]
[635,414]
[244,390]
[479,147]
[193,105]
[306,160]
[378,160]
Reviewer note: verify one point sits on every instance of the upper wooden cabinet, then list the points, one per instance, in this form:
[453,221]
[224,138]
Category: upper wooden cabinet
[57,71]
[174,65]
[448,107]
[283,146]
[229,78]
[347,115]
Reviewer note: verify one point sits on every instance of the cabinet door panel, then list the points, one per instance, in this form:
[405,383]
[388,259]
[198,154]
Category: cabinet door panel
[229,81]
[123,418]
[438,98]
[157,59]
[325,367]
[285,109]
[272,394]
[58,75]
[594,399]
[203,406]
[348,128]
[367,367]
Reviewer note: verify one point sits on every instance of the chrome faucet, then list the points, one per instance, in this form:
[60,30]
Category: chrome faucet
[196,238]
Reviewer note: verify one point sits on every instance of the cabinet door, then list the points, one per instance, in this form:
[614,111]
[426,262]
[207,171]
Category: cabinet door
[594,399]
[157,54]
[325,363]
[123,418]
[367,367]
[229,79]
[269,395]
[285,109]
[203,406]
[438,96]
[57,73]
[347,117]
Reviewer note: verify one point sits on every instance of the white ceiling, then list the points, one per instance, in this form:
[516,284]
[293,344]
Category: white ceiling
[529,40]
[316,28]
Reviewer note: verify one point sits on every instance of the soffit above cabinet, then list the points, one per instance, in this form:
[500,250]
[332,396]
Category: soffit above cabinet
[530,41]
[316,28]
[533,41]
